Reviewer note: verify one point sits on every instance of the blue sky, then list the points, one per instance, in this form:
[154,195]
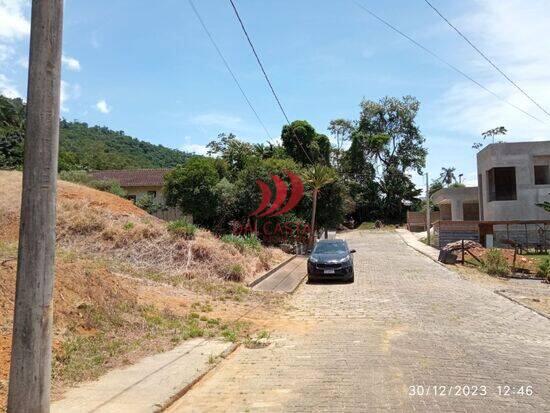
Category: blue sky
[149,69]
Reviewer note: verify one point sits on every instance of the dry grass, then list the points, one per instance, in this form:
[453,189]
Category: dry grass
[102,224]
[127,287]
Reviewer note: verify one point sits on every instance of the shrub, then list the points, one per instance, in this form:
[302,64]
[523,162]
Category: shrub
[182,228]
[544,269]
[149,204]
[495,263]
[243,242]
[233,272]
[83,178]
[78,177]
[108,185]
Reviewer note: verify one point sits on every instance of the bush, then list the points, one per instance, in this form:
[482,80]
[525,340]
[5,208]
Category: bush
[108,185]
[243,242]
[233,272]
[182,228]
[82,177]
[149,204]
[544,269]
[495,263]
[78,177]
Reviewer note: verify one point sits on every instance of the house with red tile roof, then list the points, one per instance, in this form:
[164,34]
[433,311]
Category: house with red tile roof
[141,182]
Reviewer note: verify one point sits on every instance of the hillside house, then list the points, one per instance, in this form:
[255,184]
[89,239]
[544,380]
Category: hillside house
[141,182]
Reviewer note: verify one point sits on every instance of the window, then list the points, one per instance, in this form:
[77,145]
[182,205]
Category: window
[542,175]
[502,184]
[152,194]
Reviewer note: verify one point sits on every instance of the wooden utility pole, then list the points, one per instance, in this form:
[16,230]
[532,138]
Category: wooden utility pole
[428,220]
[30,371]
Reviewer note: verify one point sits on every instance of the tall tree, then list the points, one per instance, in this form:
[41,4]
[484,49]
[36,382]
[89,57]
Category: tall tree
[341,130]
[317,177]
[387,138]
[491,133]
[303,144]
[192,188]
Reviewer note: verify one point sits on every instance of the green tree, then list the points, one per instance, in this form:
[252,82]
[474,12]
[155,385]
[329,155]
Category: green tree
[341,129]
[387,143]
[12,132]
[232,150]
[304,145]
[317,177]
[191,187]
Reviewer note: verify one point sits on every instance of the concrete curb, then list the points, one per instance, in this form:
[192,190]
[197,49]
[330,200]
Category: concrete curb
[151,384]
[298,285]
[271,271]
[197,379]
[502,294]
[419,250]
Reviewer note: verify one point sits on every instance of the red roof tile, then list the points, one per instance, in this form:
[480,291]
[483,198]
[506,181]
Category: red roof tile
[133,177]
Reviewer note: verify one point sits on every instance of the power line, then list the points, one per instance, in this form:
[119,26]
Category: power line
[486,58]
[267,77]
[203,24]
[456,69]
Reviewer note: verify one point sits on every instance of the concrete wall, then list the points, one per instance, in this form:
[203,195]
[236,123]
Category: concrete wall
[457,203]
[523,156]
[141,191]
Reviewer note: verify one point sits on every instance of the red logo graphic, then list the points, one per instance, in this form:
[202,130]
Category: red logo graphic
[281,193]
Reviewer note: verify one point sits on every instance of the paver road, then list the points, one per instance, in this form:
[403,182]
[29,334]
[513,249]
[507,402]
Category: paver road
[406,321]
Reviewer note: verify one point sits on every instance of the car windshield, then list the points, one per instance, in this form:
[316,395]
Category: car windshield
[330,248]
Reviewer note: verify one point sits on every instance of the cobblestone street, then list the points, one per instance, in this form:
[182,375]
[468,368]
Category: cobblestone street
[406,321]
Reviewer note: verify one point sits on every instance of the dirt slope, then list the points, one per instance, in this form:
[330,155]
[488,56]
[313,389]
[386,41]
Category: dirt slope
[125,286]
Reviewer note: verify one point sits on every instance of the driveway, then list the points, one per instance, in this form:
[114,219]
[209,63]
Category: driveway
[406,321]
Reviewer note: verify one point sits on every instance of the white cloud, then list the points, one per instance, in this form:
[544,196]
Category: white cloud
[13,23]
[7,88]
[191,147]
[513,34]
[220,120]
[68,92]
[14,26]
[103,107]
[6,52]
[23,62]
[71,63]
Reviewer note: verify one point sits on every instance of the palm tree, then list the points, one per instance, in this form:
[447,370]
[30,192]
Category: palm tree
[317,177]
[447,176]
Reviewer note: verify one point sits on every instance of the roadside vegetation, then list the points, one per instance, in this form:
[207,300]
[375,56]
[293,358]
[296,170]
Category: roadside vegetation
[365,175]
[129,284]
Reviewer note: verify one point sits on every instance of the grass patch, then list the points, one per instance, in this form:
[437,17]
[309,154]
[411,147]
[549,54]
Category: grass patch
[494,263]
[371,225]
[543,269]
[246,243]
[232,272]
[182,228]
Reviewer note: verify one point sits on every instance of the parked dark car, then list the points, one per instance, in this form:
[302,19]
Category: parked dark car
[331,260]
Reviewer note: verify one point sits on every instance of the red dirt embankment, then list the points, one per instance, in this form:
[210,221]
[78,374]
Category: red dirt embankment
[105,243]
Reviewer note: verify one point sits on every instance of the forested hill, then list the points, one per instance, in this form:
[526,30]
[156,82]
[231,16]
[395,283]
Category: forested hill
[82,146]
